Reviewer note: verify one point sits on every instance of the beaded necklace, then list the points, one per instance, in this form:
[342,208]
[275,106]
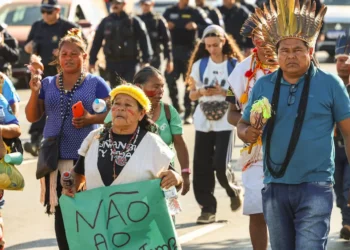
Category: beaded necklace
[121,156]
[255,65]
[71,93]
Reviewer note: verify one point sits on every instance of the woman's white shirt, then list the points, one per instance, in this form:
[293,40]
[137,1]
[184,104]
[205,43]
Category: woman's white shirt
[151,157]
[213,72]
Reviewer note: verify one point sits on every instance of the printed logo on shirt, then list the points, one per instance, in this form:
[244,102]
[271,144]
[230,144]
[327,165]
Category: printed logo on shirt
[186,16]
[163,127]
[230,92]
[105,150]
[54,39]
[174,16]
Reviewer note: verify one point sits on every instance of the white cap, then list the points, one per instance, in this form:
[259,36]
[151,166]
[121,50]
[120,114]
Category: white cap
[215,29]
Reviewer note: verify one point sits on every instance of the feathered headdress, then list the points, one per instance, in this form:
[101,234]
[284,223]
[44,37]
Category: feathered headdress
[75,32]
[342,46]
[253,26]
[288,20]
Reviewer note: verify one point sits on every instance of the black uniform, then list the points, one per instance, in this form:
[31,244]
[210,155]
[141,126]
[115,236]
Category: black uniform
[234,18]
[159,35]
[9,53]
[214,15]
[125,39]
[250,7]
[183,44]
[45,38]
[341,174]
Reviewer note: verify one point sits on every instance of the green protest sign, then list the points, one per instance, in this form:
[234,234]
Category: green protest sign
[130,216]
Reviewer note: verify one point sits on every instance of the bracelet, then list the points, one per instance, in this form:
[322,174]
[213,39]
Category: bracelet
[186,170]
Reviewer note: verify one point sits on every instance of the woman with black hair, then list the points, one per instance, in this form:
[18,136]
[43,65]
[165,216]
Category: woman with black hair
[170,127]
[211,63]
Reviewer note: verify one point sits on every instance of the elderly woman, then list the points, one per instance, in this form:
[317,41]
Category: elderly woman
[211,63]
[55,96]
[127,151]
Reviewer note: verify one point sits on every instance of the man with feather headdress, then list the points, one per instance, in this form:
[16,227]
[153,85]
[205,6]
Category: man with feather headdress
[342,168]
[263,61]
[298,138]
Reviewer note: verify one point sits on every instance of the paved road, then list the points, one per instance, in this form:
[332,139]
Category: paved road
[27,227]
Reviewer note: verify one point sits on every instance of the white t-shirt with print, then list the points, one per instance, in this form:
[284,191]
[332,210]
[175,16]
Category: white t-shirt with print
[214,72]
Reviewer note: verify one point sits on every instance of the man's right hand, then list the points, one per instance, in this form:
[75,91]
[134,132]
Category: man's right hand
[251,134]
[92,68]
[29,47]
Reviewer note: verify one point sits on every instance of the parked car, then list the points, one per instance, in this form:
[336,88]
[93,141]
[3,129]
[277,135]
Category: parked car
[336,22]
[19,15]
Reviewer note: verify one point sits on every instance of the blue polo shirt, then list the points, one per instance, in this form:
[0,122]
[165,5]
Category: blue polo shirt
[328,102]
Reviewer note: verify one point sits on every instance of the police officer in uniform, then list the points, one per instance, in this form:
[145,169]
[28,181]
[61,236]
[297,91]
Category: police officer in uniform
[213,13]
[9,52]
[250,7]
[125,37]
[43,40]
[185,23]
[235,14]
[342,169]
[159,35]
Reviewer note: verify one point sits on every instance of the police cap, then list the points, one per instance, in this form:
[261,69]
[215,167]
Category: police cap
[49,4]
[146,1]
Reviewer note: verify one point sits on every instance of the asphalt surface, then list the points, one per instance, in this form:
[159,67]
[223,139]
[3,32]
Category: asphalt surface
[28,227]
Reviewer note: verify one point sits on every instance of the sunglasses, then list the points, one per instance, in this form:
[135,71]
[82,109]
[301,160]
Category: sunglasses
[49,12]
[292,90]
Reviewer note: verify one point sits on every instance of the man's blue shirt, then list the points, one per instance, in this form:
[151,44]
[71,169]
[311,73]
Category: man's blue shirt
[328,102]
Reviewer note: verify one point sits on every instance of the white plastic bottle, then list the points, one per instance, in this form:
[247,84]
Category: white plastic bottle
[99,106]
[172,201]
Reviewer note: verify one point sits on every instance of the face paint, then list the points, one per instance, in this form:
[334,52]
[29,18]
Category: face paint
[114,108]
[131,112]
[150,93]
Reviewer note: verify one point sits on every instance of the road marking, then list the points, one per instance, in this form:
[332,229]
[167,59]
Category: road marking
[200,232]
[29,161]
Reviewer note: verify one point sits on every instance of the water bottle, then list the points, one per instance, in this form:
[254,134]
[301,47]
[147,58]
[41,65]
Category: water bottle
[67,181]
[15,158]
[99,106]
[172,201]
[2,115]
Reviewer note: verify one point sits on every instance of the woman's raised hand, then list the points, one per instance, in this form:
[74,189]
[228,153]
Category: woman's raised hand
[170,178]
[35,83]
